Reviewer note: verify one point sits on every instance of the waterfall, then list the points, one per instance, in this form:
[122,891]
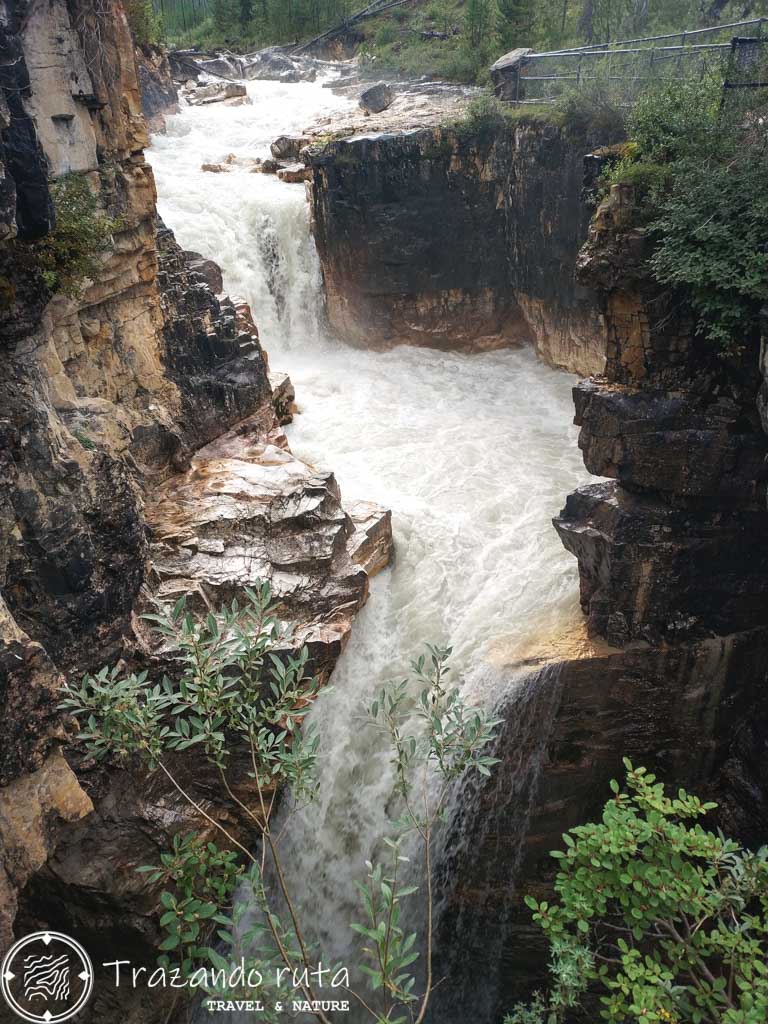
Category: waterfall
[471,452]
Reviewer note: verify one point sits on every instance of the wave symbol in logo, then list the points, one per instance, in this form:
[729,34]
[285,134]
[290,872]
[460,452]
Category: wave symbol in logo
[46,978]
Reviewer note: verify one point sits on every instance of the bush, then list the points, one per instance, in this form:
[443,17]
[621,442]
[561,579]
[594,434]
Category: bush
[648,179]
[705,200]
[72,252]
[712,228]
[676,119]
[667,920]
[596,107]
[237,703]
[386,34]
[484,117]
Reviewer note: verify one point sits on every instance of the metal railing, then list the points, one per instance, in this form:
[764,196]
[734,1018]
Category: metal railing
[628,64]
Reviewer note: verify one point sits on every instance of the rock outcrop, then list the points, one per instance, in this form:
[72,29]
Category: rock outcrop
[459,238]
[216,92]
[670,663]
[141,451]
[159,95]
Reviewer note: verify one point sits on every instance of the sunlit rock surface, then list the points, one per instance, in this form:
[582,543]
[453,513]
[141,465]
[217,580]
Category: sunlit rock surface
[246,511]
[105,399]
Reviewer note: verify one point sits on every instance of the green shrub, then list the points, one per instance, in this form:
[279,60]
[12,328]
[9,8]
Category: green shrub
[237,703]
[386,34]
[705,200]
[484,117]
[648,179]
[72,252]
[666,920]
[712,227]
[676,119]
[597,108]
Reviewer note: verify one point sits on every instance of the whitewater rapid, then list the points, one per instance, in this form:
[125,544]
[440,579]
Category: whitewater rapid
[473,453]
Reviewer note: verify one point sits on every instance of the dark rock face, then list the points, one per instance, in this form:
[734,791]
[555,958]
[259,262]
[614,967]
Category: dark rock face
[212,352]
[672,547]
[685,710]
[106,400]
[654,572]
[159,95]
[438,238]
[673,585]
[24,198]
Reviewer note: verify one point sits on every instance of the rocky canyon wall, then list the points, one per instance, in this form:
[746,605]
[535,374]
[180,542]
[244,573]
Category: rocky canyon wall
[142,457]
[459,238]
[669,666]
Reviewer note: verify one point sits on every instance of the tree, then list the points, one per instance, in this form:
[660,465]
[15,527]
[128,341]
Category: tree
[236,693]
[480,20]
[246,13]
[668,921]
[516,22]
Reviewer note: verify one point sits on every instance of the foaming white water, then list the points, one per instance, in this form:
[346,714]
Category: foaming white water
[473,454]
[253,225]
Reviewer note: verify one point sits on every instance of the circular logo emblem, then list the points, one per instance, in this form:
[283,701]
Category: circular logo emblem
[46,978]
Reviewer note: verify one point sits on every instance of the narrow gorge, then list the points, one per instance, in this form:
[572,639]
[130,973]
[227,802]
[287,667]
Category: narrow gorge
[356,379]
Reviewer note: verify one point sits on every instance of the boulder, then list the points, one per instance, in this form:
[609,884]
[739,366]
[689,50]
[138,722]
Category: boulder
[209,271]
[248,510]
[294,173]
[377,98]
[158,90]
[289,147]
[215,92]
[283,397]
[371,543]
[225,64]
[268,167]
[274,65]
[214,168]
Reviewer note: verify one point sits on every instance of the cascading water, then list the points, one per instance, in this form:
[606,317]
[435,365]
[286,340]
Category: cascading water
[480,851]
[471,452]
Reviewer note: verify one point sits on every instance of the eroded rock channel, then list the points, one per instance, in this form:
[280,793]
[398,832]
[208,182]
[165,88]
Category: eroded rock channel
[429,294]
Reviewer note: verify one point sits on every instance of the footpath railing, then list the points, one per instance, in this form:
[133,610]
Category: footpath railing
[627,65]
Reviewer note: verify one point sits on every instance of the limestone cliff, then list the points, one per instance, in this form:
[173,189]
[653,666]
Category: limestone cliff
[459,239]
[110,501]
[670,665]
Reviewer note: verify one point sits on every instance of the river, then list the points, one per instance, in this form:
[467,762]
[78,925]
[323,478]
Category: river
[473,454]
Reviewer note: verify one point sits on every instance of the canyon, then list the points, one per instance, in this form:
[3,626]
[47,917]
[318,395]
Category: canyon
[148,452]
[143,456]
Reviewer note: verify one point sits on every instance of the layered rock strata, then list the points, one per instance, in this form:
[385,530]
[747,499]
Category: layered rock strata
[458,238]
[670,663]
[159,95]
[141,452]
